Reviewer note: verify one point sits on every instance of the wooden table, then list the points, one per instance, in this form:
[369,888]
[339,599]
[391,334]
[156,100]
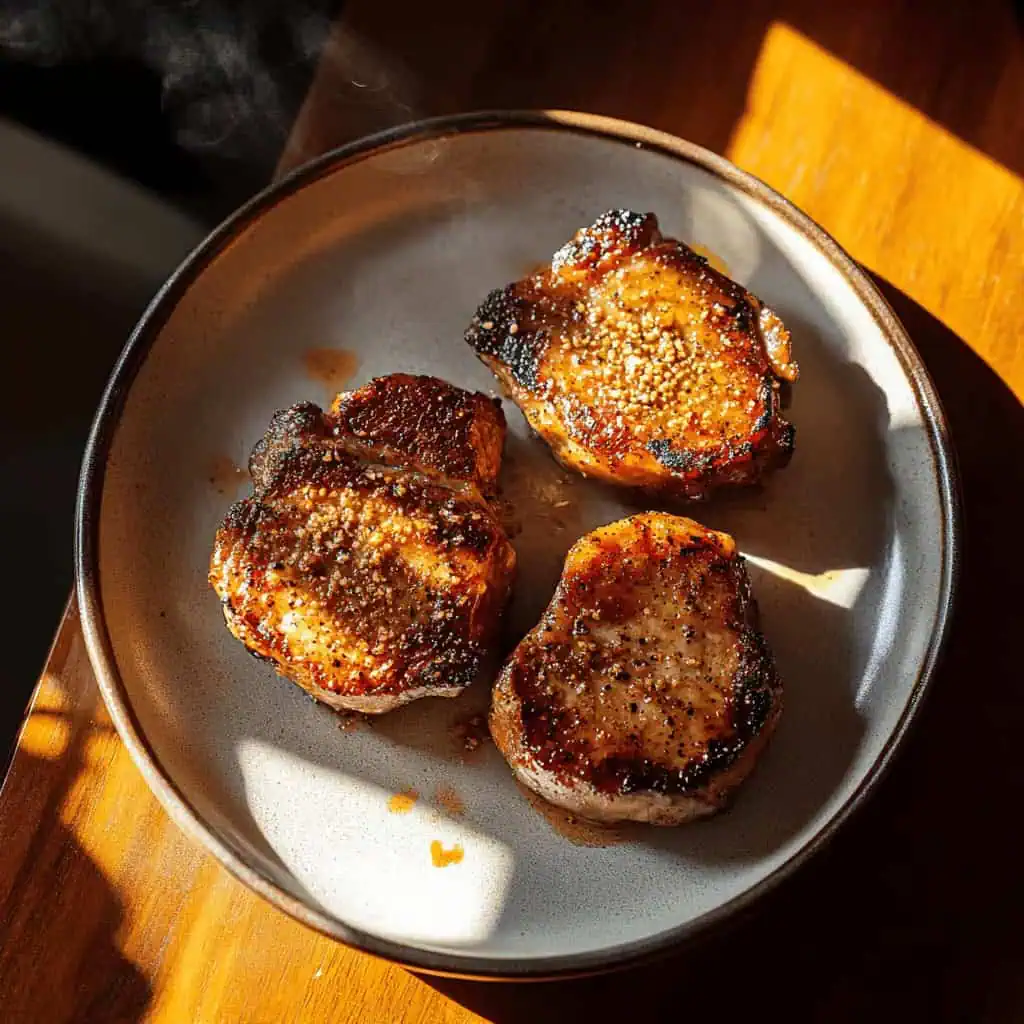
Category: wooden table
[900,127]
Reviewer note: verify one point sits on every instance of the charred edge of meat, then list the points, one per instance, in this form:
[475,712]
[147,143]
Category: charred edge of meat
[422,417]
[782,432]
[438,653]
[756,687]
[754,693]
[785,441]
[244,516]
[694,464]
[499,329]
[767,396]
[612,233]
[288,428]
[671,458]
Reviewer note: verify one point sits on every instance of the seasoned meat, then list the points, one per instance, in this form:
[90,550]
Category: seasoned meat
[640,364]
[646,691]
[424,424]
[369,566]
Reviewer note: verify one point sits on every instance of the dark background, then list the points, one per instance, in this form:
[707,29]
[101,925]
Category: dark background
[192,102]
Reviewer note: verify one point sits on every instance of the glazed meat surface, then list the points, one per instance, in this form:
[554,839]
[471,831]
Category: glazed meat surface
[426,425]
[646,691]
[641,365]
[368,565]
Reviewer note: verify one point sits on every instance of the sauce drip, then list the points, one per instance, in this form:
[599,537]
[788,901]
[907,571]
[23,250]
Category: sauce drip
[331,366]
[546,492]
[225,476]
[449,801]
[437,728]
[578,831]
[403,803]
[470,734]
[441,858]
[350,721]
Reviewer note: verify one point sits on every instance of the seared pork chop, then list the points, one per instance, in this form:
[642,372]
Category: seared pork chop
[646,691]
[369,566]
[640,364]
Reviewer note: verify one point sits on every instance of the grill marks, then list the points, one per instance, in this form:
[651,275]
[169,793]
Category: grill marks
[368,565]
[640,364]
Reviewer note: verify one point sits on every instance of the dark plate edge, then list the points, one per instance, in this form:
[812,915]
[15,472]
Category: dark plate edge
[90,489]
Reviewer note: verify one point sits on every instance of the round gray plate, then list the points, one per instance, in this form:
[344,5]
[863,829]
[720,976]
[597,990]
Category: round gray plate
[384,249]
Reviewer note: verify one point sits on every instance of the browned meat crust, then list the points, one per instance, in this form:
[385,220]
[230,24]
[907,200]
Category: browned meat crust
[646,690]
[367,565]
[425,424]
[640,364]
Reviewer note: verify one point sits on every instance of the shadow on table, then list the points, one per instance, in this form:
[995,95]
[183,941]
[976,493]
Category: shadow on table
[913,911]
[52,970]
[70,293]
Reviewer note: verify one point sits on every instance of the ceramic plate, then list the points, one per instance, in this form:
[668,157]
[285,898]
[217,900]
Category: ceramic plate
[381,251]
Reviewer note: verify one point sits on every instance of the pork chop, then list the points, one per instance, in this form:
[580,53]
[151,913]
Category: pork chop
[646,691]
[640,364]
[369,565]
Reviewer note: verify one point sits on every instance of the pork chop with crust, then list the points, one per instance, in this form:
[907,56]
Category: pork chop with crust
[640,364]
[369,565]
[646,691]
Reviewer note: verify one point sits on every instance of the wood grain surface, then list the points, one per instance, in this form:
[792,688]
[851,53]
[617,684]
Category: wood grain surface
[900,127]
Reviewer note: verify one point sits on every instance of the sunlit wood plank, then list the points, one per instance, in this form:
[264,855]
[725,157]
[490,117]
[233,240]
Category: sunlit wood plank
[933,215]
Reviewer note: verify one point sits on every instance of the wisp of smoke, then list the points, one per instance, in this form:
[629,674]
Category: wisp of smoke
[231,74]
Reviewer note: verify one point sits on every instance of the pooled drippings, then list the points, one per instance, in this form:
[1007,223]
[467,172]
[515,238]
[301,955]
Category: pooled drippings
[331,366]
[470,734]
[226,476]
[449,801]
[350,721]
[578,831]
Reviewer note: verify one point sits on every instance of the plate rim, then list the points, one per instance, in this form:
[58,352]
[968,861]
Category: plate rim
[141,340]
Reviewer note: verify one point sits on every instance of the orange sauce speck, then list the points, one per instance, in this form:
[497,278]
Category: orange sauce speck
[225,476]
[450,801]
[331,366]
[441,858]
[403,803]
[713,258]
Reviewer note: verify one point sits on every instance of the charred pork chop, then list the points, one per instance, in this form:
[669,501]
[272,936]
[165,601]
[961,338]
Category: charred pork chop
[640,364]
[646,691]
[369,566]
